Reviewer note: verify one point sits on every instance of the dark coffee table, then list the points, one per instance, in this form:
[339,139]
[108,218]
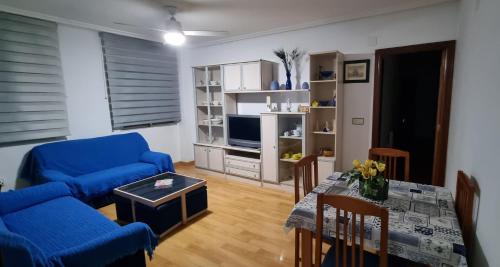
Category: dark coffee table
[162,209]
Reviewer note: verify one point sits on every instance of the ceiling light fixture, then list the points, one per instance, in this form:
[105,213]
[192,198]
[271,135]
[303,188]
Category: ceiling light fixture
[174,34]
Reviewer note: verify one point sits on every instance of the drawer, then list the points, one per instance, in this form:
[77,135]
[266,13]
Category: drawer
[248,165]
[244,173]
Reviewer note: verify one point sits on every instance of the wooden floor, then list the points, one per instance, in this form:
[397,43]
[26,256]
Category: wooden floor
[243,227]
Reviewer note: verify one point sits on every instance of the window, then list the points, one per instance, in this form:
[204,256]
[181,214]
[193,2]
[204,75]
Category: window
[142,81]
[32,100]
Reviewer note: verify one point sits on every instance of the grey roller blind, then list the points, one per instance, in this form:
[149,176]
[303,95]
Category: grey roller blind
[142,79]
[32,100]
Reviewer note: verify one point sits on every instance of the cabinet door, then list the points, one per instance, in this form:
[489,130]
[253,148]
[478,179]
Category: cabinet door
[269,142]
[201,156]
[251,76]
[216,159]
[232,77]
[325,169]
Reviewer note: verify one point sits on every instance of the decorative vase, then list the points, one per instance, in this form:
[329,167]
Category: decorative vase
[288,84]
[305,86]
[372,190]
[275,85]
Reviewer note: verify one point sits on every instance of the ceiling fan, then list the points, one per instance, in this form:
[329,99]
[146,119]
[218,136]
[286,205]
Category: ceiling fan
[173,33]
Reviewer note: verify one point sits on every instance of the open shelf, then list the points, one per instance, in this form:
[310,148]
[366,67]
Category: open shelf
[289,160]
[325,133]
[323,107]
[291,137]
[266,91]
[324,81]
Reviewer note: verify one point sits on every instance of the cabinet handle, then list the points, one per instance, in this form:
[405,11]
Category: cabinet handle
[244,87]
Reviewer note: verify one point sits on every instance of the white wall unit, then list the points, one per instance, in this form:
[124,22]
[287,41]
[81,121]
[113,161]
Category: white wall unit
[201,157]
[248,76]
[207,157]
[216,159]
[242,165]
[325,167]
[232,77]
[269,143]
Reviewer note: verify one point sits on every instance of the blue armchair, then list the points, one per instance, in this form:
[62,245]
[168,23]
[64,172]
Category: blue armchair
[45,226]
[93,167]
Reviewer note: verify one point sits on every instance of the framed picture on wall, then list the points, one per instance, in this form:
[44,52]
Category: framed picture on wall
[357,71]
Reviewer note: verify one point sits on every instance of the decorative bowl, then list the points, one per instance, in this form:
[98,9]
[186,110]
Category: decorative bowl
[326,74]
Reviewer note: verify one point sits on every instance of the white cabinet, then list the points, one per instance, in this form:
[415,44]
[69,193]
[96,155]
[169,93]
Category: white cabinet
[250,76]
[250,73]
[211,158]
[325,168]
[232,77]
[269,143]
[216,159]
[201,156]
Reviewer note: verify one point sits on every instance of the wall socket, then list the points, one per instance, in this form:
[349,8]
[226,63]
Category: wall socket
[358,121]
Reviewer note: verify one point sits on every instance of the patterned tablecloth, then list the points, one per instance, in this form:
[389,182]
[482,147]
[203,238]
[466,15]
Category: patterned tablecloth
[423,226]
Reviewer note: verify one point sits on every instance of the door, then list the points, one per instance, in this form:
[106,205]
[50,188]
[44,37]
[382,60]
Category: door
[201,156]
[269,144]
[251,76]
[411,105]
[216,159]
[232,77]
[325,169]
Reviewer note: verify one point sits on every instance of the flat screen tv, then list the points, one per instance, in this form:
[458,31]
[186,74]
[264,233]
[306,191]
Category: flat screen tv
[243,130]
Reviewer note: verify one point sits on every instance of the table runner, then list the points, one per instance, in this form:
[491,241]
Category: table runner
[423,226]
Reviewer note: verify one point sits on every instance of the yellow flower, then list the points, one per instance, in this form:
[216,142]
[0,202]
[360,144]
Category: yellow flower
[365,174]
[368,163]
[356,163]
[381,167]
[373,172]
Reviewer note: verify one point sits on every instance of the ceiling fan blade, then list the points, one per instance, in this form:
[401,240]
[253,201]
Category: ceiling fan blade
[205,33]
[139,27]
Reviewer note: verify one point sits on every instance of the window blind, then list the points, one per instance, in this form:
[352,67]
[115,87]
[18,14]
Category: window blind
[142,81]
[32,100]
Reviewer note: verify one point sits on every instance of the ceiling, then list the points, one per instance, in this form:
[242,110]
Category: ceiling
[241,18]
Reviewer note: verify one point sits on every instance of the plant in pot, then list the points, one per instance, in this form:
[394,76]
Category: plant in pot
[372,183]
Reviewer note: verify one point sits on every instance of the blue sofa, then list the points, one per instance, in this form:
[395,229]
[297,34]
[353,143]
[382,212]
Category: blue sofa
[45,226]
[93,167]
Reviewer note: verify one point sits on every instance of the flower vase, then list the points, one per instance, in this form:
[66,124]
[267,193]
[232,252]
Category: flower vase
[288,84]
[373,190]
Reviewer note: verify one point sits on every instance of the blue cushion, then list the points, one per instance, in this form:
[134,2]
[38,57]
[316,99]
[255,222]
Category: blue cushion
[79,157]
[329,260]
[103,182]
[59,224]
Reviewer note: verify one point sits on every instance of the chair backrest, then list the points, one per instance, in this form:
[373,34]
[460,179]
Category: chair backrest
[464,206]
[304,168]
[355,207]
[390,157]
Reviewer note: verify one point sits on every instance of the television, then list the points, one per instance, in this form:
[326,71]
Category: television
[243,130]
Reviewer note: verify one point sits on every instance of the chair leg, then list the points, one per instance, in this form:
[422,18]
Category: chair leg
[297,247]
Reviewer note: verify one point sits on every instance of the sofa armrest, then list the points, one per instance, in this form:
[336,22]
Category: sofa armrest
[20,199]
[162,161]
[107,248]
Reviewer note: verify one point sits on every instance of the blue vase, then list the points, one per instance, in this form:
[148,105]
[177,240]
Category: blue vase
[275,85]
[288,85]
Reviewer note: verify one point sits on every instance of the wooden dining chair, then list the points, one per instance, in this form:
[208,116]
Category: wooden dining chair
[347,257]
[390,157]
[464,206]
[307,169]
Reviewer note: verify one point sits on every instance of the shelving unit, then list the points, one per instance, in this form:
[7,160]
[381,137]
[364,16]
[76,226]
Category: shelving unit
[209,101]
[329,116]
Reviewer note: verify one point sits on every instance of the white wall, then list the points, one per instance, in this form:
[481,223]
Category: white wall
[431,24]
[88,110]
[474,144]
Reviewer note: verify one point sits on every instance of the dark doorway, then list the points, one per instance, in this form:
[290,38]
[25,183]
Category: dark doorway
[411,105]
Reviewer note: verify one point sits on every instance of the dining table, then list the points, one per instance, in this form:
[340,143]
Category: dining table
[423,225]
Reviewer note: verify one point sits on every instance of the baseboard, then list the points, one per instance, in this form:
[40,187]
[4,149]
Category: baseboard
[184,163]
